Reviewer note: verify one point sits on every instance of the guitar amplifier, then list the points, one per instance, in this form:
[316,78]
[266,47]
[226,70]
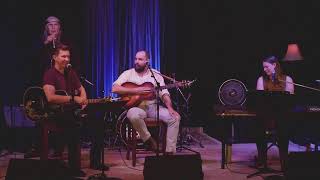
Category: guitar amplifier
[15,117]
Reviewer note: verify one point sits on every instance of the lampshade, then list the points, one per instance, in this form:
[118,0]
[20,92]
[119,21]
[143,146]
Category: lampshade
[293,53]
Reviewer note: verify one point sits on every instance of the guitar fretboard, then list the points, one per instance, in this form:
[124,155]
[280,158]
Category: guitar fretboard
[100,100]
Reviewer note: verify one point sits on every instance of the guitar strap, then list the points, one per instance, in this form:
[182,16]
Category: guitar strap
[69,82]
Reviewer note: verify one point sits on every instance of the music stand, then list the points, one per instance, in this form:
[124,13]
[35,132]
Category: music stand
[275,102]
[109,106]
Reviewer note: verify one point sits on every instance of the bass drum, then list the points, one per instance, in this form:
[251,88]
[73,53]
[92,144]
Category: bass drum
[122,128]
[232,92]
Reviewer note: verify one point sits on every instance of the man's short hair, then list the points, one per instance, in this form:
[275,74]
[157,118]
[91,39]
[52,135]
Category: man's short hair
[145,52]
[61,47]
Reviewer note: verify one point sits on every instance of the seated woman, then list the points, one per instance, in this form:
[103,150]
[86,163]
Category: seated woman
[273,80]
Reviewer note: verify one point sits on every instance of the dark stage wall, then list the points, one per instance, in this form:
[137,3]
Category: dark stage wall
[220,40]
[210,40]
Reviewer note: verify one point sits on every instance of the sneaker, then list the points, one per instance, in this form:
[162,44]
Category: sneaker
[31,154]
[168,153]
[77,173]
[56,155]
[100,167]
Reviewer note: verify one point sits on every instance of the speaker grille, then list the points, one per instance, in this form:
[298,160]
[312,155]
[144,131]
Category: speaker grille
[175,167]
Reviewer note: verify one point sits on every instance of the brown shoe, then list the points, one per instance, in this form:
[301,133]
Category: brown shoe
[151,144]
[31,154]
[168,153]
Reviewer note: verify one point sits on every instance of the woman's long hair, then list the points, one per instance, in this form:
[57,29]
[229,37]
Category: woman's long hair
[278,70]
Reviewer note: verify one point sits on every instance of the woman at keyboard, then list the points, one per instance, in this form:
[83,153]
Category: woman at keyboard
[270,121]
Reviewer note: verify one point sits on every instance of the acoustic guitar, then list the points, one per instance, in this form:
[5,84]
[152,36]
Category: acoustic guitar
[135,100]
[36,106]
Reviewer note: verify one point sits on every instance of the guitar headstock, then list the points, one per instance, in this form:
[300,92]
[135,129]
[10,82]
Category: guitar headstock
[186,83]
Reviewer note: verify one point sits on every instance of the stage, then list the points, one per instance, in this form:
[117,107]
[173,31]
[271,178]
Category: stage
[120,168]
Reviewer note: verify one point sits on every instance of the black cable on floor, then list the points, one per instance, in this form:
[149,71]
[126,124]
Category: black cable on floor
[124,162]
[237,172]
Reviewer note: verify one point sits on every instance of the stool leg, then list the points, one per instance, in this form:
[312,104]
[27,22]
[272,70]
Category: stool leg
[44,142]
[164,138]
[134,147]
[129,140]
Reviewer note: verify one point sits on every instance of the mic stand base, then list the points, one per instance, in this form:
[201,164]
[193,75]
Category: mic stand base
[263,170]
[185,138]
[101,176]
[189,136]
[186,148]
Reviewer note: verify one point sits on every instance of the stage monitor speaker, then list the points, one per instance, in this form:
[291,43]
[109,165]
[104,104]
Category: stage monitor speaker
[303,165]
[32,169]
[173,167]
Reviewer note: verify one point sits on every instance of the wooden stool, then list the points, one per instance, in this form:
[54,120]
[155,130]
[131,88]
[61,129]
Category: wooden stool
[132,138]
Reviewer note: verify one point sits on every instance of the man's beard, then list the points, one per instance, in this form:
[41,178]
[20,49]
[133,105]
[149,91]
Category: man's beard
[138,68]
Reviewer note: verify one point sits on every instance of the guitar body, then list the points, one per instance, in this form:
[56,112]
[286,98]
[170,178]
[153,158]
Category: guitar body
[135,100]
[37,108]
[35,103]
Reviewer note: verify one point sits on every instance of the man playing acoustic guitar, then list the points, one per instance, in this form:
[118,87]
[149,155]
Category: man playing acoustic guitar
[135,83]
[62,77]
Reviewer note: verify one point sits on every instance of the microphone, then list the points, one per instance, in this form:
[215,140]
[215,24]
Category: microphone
[53,44]
[273,77]
[67,68]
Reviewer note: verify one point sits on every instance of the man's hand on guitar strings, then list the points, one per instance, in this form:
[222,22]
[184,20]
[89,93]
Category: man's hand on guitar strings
[80,100]
[143,90]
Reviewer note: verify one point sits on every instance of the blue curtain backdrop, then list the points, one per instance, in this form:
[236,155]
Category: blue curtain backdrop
[116,30]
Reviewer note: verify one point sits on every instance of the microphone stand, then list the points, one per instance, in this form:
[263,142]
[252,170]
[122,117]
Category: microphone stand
[300,85]
[83,79]
[186,101]
[157,99]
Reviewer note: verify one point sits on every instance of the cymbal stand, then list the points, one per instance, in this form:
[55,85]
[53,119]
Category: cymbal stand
[185,137]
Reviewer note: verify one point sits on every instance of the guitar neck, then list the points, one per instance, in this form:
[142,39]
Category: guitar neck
[94,101]
[169,86]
